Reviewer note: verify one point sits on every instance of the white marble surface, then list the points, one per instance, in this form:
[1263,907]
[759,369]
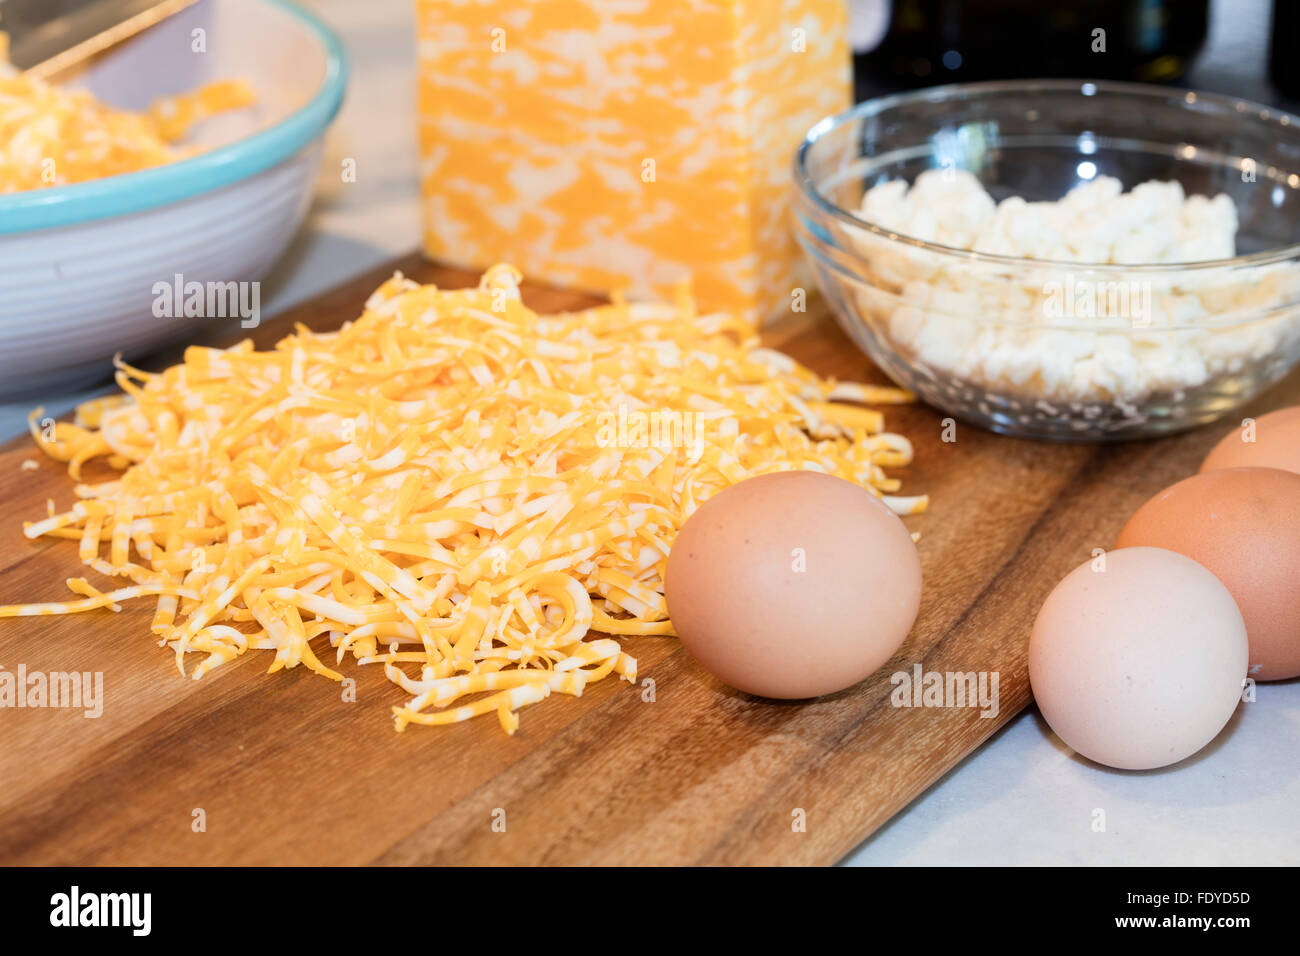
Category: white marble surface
[1025,798]
[1022,798]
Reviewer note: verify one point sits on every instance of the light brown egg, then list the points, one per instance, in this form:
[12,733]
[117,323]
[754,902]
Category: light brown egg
[1270,441]
[1138,662]
[1244,525]
[793,585]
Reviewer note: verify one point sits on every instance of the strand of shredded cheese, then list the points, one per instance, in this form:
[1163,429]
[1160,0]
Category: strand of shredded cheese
[451,483]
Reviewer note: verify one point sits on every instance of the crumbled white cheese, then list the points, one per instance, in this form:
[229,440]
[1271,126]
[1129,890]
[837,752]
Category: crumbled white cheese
[1050,331]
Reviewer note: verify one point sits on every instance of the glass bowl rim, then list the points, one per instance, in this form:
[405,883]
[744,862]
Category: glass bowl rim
[1258,112]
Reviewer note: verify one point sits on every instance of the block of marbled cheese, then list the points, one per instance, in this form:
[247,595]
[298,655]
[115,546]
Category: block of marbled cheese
[625,144]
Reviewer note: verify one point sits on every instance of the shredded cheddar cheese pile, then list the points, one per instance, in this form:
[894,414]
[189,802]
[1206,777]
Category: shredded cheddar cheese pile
[51,136]
[452,485]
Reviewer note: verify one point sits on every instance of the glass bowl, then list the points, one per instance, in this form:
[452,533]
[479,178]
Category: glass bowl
[1055,349]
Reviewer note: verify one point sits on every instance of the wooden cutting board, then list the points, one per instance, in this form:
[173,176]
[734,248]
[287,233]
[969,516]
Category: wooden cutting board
[284,771]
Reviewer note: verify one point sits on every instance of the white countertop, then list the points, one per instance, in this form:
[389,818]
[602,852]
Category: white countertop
[1022,798]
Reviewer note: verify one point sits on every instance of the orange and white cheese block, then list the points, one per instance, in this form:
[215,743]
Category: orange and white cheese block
[626,144]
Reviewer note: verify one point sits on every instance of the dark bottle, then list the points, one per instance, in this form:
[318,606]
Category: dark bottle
[1283,64]
[942,41]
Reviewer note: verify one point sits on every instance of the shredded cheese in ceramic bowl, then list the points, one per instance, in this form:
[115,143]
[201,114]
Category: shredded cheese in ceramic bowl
[52,136]
[476,497]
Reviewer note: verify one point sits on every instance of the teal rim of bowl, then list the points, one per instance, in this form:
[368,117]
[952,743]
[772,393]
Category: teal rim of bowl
[120,195]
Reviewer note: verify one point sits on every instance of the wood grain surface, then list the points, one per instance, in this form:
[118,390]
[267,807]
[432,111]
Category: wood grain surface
[286,772]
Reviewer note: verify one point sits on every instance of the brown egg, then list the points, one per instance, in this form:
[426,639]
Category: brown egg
[1270,441]
[793,585]
[1244,525]
[1137,663]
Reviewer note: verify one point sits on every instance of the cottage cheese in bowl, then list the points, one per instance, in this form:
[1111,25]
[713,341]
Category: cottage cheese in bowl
[1071,318]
